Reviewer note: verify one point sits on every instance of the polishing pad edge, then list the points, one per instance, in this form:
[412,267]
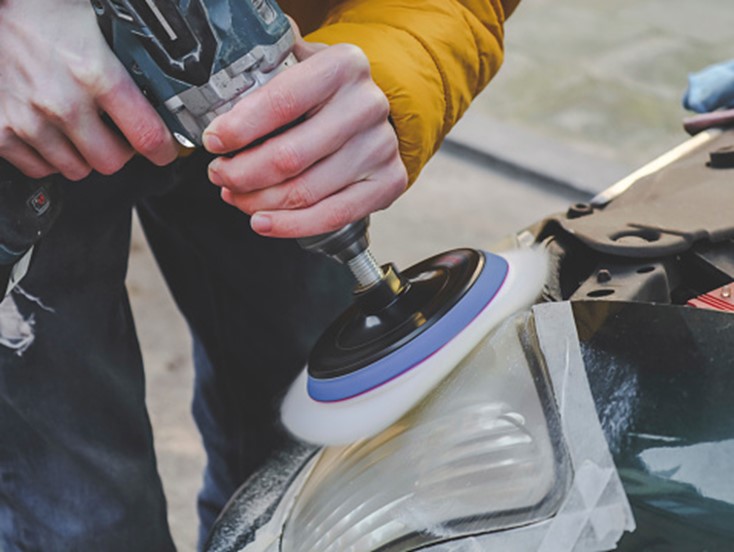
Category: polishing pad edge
[365,415]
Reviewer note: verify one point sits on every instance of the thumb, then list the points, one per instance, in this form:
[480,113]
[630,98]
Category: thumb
[302,49]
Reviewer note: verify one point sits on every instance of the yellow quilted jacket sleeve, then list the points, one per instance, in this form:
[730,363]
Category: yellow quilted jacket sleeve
[430,57]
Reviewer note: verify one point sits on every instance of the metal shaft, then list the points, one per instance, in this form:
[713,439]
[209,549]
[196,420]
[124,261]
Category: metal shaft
[365,269]
[349,246]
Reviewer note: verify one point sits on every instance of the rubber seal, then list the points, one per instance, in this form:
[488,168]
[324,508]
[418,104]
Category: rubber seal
[410,355]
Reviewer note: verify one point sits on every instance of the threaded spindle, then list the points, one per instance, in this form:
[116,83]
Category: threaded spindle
[365,269]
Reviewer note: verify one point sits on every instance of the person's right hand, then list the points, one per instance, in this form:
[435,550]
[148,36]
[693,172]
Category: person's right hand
[57,78]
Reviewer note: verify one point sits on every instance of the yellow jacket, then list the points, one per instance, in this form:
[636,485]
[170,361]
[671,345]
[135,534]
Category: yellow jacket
[430,57]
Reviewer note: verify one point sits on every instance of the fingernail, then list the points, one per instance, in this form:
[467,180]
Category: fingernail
[214,175]
[212,142]
[262,224]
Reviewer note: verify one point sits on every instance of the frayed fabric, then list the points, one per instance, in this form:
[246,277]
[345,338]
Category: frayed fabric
[33,299]
[16,331]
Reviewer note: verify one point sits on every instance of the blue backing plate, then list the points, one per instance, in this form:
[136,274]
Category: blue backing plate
[474,301]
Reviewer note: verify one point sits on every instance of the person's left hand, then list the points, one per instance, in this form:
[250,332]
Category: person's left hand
[339,164]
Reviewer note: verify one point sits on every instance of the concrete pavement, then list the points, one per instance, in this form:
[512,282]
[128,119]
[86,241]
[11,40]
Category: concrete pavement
[606,78]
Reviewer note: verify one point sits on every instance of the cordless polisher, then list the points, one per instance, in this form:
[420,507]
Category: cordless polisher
[194,60]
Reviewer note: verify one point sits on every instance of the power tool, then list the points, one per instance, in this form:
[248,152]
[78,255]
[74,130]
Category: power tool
[194,59]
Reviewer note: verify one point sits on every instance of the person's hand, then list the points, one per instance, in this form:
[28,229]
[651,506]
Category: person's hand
[337,165]
[57,78]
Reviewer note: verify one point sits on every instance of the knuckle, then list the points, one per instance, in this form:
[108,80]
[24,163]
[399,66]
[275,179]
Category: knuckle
[386,148]
[392,182]
[397,181]
[111,86]
[298,196]
[110,166]
[400,183]
[148,139]
[87,71]
[76,172]
[288,160]
[58,112]
[355,57]
[83,70]
[382,104]
[283,104]
[375,105]
[29,128]
[348,63]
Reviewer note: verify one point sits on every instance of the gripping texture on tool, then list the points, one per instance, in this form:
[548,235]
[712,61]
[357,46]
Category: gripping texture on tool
[194,60]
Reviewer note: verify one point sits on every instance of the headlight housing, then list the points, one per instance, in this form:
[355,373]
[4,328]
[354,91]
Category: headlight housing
[484,448]
[506,454]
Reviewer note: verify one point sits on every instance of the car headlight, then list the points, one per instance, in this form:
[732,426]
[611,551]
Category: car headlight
[485,446]
[506,454]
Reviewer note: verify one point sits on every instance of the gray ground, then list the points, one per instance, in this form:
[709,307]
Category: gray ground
[589,91]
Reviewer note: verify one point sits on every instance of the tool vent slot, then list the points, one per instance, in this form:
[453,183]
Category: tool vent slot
[264,10]
[121,11]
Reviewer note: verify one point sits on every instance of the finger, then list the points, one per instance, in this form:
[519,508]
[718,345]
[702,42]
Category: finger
[100,146]
[295,28]
[138,121]
[55,149]
[289,154]
[25,158]
[360,157]
[301,48]
[304,50]
[333,213]
[287,97]
[78,119]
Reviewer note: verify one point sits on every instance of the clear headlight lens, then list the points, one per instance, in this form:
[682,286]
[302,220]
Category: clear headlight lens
[484,452]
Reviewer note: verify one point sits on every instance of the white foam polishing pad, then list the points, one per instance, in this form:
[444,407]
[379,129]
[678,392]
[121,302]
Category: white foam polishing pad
[365,415]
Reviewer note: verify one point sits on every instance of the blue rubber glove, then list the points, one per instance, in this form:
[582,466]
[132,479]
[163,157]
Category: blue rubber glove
[711,88]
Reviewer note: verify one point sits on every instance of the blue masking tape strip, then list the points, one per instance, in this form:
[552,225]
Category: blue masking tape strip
[488,283]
